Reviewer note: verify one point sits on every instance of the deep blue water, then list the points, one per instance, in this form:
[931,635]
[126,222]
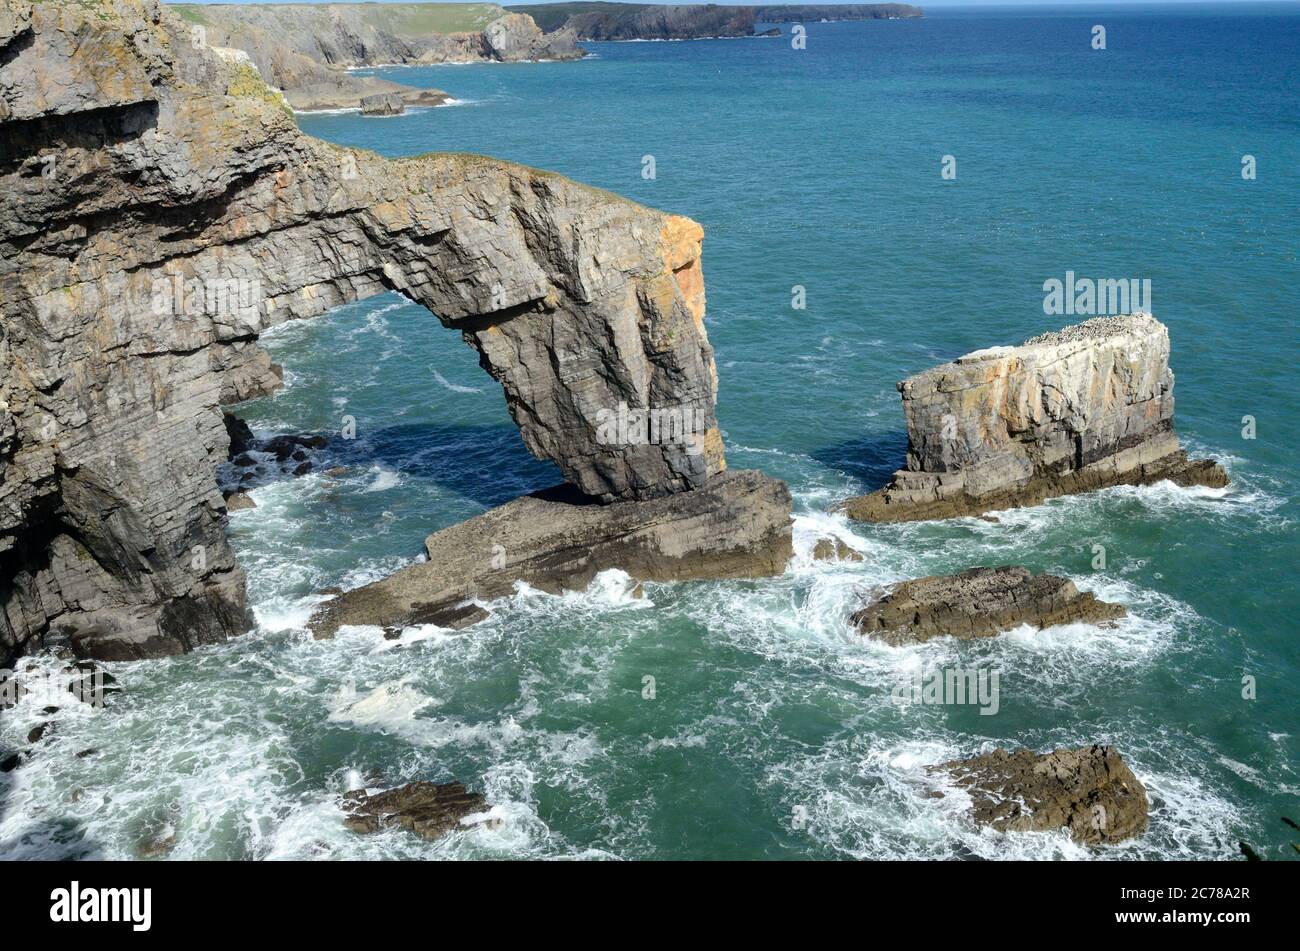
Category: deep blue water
[772,734]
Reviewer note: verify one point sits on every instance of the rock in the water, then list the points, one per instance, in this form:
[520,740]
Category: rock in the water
[979,602]
[736,526]
[1085,408]
[427,809]
[834,549]
[159,209]
[382,104]
[239,501]
[1090,791]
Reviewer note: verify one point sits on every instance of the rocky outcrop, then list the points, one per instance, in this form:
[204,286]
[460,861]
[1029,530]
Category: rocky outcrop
[159,209]
[382,104]
[641,21]
[1089,791]
[430,810]
[979,602]
[646,22]
[1085,408]
[304,49]
[811,13]
[737,525]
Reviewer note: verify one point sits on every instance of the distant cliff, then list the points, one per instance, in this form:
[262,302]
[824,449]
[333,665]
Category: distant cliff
[640,21]
[304,49]
[787,13]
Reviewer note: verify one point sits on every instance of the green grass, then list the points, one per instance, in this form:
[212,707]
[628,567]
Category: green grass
[551,16]
[399,18]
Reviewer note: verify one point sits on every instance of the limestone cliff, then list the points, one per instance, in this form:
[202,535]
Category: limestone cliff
[651,21]
[159,209]
[1084,408]
[304,49]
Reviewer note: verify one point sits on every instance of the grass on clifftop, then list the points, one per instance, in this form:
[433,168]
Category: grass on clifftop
[410,19]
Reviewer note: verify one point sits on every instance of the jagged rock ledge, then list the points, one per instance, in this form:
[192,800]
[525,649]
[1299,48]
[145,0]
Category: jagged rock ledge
[1085,408]
[430,810]
[1089,791]
[980,602]
[737,525]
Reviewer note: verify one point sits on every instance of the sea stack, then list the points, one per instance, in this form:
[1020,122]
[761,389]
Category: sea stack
[1084,408]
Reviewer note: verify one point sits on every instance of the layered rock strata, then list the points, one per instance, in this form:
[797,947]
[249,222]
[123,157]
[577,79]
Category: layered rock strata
[305,49]
[737,525]
[159,209]
[1089,791]
[1085,408]
[980,602]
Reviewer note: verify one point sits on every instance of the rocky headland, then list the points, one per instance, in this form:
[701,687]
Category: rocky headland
[642,21]
[1089,791]
[161,210]
[1084,408]
[305,50]
[980,602]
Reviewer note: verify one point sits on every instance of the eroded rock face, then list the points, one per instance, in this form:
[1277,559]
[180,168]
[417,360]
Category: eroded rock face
[159,209]
[980,602]
[1085,408]
[430,810]
[735,526]
[382,104]
[303,49]
[1090,791]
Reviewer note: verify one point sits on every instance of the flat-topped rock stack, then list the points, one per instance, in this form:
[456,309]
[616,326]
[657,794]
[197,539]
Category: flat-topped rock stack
[1085,408]
[980,602]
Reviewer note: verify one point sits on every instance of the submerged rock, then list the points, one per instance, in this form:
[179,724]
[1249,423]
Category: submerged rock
[736,526]
[428,809]
[1090,791]
[979,602]
[1085,408]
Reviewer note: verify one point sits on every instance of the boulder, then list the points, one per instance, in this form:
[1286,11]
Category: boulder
[1085,408]
[382,104]
[979,602]
[1089,791]
[736,526]
[428,809]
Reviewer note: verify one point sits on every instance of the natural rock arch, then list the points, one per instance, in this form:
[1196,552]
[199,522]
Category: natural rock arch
[136,171]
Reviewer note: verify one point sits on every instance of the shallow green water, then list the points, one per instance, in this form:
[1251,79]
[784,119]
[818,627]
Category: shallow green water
[771,733]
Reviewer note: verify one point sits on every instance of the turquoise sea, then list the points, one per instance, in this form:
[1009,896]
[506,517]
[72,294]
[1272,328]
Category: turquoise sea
[771,733]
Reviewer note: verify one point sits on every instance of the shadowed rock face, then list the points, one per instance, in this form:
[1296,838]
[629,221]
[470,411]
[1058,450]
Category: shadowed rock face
[1090,791]
[159,209]
[1084,408]
[980,602]
[736,526]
